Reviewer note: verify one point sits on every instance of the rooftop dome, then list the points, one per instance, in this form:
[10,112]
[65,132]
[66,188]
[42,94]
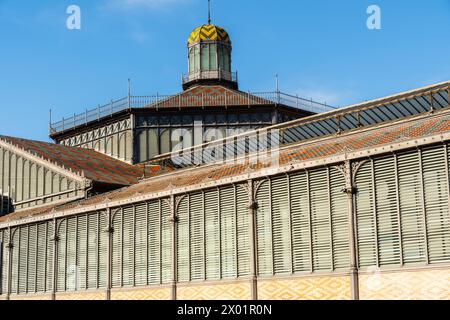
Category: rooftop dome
[208,32]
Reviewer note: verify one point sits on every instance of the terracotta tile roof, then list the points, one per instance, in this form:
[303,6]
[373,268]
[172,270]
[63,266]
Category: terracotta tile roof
[94,165]
[149,169]
[357,140]
[211,96]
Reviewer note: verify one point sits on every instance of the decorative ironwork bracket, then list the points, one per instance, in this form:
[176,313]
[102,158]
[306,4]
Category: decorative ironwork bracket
[349,170]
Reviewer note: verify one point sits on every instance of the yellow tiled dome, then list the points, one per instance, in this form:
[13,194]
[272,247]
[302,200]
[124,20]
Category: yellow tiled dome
[208,32]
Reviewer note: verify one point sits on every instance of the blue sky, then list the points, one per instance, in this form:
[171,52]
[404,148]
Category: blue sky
[321,49]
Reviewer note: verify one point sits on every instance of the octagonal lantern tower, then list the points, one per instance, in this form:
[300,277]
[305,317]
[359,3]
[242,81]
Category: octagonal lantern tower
[209,56]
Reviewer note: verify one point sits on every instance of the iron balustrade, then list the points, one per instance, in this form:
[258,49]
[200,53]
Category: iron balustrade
[212,74]
[187,100]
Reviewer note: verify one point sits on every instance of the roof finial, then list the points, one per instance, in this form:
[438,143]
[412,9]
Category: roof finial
[209,12]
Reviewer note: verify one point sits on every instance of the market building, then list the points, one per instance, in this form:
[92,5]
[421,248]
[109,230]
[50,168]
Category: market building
[218,193]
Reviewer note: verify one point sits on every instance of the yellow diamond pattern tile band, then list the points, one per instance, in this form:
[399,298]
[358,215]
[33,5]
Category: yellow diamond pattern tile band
[31,297]
[142,294]
[208,32]
[314,288]
[85,296]
[430,284]
[238,291]
[417,285]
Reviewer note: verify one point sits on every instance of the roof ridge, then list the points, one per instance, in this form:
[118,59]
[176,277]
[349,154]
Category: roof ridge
[80,174]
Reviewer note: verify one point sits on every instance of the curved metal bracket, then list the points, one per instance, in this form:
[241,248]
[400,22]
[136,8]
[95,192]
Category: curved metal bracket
[349,170]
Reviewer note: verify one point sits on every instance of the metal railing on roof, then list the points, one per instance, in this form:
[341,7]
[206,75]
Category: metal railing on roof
[212,74]
[228,98]
[421,101]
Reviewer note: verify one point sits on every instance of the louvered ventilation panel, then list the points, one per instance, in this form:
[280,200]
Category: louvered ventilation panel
[212,235]
[243,232]
[128,225]
[31,256]
[49,265]
[15,262]
[228,232]
[166,243]
[264,230]
[281,225]
[183,248]
[92,251]
[103,250]
[23,261]
[154,242]
[62,254]
[365,208]
[436,203]
[41,252]
[197,237]
[81,253]
[117,253]
[411,207]
[72,275]
[320,220]
[3,261]
[340,223]
[402,209]
[141,241]
[301,223]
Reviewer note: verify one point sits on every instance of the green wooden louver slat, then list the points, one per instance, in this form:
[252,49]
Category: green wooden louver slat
[3,261]
[41,252]
[71,258]
[91,254]
[15,262]
[281,228]
[62,253]
[412,224]
[320,220]
[49,265]
[166,243]
[22,259]
[243,232]
[31,259]
[340,227]
[365,217]
[81,253]
[128,246]
[301,232]
[264,230]
[117,250]
[183,241]
[140,250]
[154,242]
[93,250]
[212,235]
[387,219]
[102,249]
[228,232]
[197,237]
